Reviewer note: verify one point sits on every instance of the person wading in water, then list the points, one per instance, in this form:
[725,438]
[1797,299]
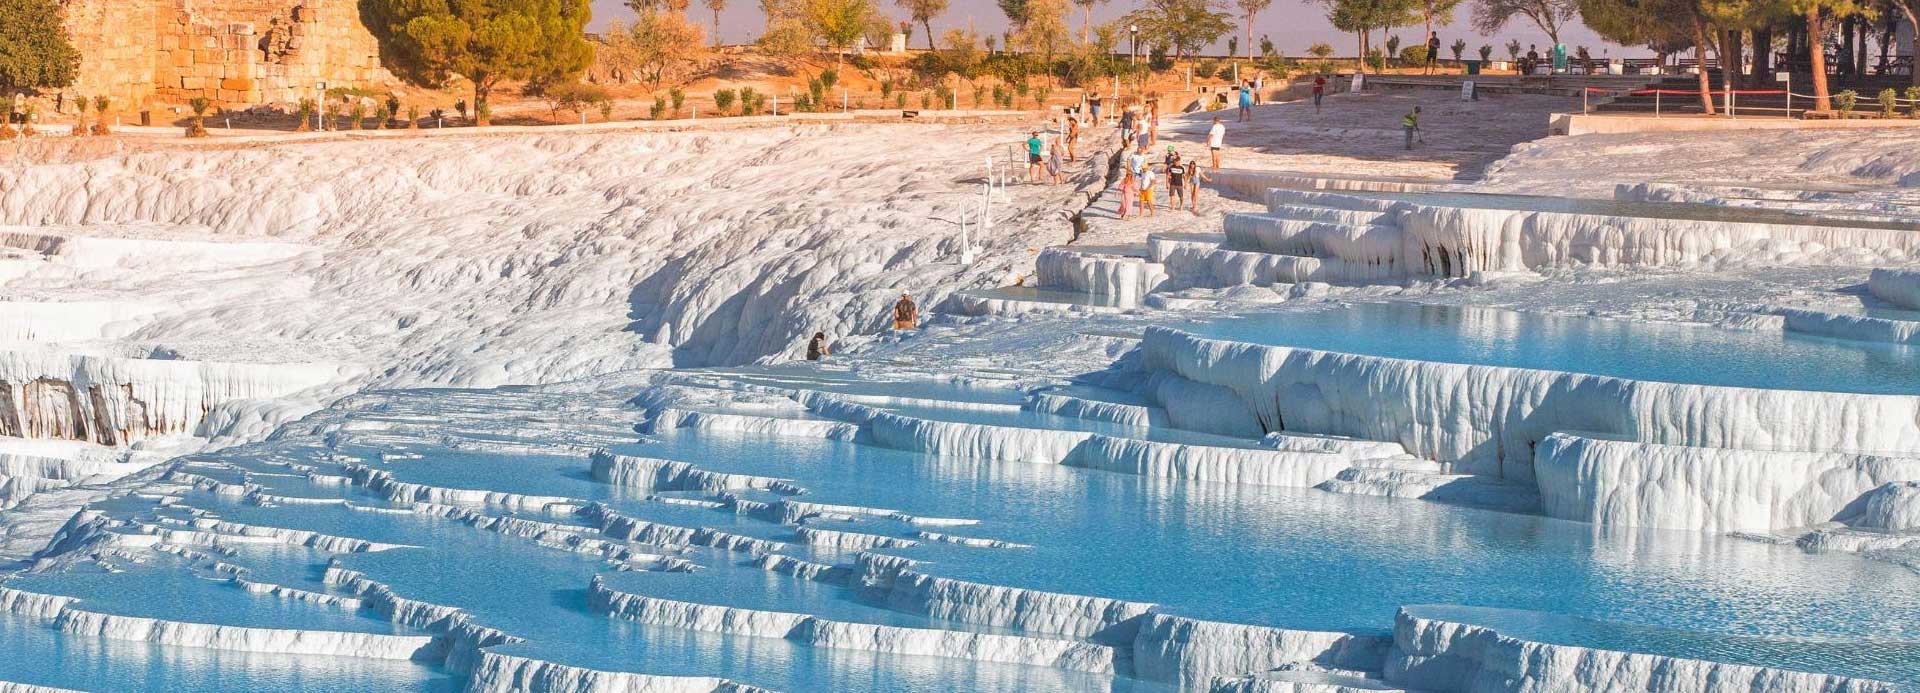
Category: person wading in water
[906,315]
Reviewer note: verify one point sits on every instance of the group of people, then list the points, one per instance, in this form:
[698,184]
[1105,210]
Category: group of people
[1141,177]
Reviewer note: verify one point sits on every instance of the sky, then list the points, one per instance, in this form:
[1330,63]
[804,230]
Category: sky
[1292,24]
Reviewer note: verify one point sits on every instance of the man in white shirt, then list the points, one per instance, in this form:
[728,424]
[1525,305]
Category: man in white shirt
[1217,138]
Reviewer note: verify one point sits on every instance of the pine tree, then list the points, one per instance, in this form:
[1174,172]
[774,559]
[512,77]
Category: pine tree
[486,42]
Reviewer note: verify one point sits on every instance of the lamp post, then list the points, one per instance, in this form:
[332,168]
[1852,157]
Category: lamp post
[1133,30]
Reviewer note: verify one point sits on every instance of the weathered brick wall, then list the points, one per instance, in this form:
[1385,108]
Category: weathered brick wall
[236,52]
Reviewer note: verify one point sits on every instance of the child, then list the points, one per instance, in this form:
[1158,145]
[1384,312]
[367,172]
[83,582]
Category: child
[1128,188]
[1146,192]
[1319,91]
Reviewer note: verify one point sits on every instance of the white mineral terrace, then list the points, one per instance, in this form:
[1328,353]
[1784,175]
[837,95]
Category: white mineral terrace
[387,414]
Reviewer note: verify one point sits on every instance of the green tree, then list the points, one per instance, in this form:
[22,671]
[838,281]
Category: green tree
[715,6]
[1490,16]
[1248,10]
[1086,18]
[1361,17]
[34,50]
[1186,25]
[840,23]
[923,11]
[486,42]
[1045,29]
[1817,13]
[1437,12]
[661,41]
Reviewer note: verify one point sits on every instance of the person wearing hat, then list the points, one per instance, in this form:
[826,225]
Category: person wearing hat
[906,315]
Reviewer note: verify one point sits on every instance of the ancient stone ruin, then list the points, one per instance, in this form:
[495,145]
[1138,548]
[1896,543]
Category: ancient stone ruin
[236,52]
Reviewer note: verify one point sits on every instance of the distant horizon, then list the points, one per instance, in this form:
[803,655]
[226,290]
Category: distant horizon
[1293,26]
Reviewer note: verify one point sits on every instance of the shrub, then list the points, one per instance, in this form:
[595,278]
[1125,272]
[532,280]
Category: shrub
[356,114]
[606,111]
[1459,48]
[1913,101]
[1888,103]
[723,100]
[381,116]
[1513,49]
[1413,55]
[659,108]
[1266,45]
[413,116]
[1486,53]
[100,105]
[199,106]
[80,124]
[749,101]
[304,113]
[1206,69]
[829,77]
[26,120]
[926,101]
[1846,100]
[900,100]
[679,97]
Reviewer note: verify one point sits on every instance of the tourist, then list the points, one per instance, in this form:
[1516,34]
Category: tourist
[1153,122]
[1531,61]
[1093,108]
[1246,102]
[1259,87]
[1319,91]
[1195,174]
[817,347]
[1433,50]
[1137,161]
[906,315]
[1127,119]
[1034,145]
[1411,123]
[1128,188]
[1176,180]
[1146,192]
[1073,136]
[1056,168]
[1217,138]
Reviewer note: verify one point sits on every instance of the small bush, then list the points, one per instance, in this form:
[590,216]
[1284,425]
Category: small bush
[1206,69]
[1913,101]
[100,105]
[606,111]
[659,108]
[679,97]
[1413,55]
[199,106]
[1486,53]
[304,113]
[381,116]
[1846,100]
[413,116]
[1888,103]
[723,100]
[356,114]
[1459,48]
[749,101]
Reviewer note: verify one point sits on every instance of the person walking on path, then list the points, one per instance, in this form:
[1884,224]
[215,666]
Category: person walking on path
[1319,91]
[1146,192]
[1176,180]
[1034,147]
[817,347]
[1260,87]
[1073,137]
[1056,168]
[1153,122]
[1093,108]
[1246,102]
[1217,138]
[906,315]
[1137,161]
[1411,123]
[1195,174]
[1128,189]
[1433,50]
[1127,121]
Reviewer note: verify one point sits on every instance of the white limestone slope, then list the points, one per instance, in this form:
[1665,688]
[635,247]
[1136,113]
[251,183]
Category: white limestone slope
[1488,420]
[1900,287]
[68,617]
[1626,483]
[1449,656]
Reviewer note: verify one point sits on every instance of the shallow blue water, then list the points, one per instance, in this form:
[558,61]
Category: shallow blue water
[1293,558]
[1668,352]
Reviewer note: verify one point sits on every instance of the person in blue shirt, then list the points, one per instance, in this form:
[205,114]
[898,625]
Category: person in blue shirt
[1034,146]
[1246,102]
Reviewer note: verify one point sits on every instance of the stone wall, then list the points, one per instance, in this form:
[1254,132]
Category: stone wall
[144,53]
